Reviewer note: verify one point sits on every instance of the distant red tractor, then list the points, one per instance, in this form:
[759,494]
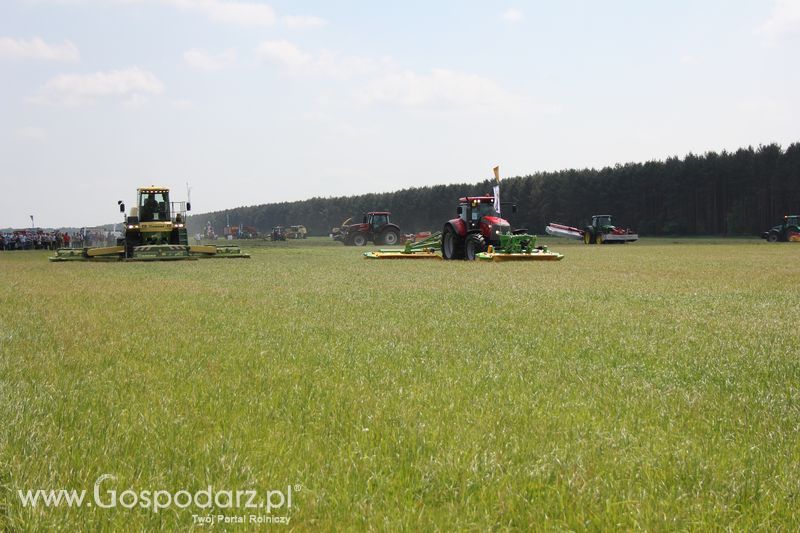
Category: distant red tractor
[375,227]
[477,226]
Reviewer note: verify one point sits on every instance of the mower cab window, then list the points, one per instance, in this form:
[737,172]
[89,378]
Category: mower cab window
[153,207]
[378,220]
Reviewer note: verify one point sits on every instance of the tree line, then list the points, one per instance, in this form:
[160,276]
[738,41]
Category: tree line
[729,193]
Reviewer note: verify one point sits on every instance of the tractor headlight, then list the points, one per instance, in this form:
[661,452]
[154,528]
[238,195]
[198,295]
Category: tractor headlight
[499,229]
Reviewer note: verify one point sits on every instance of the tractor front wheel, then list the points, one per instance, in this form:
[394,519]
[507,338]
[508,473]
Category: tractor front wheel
[474,245]
[588,237]
[772,237]
[359,239]
[452,245]
[598,239]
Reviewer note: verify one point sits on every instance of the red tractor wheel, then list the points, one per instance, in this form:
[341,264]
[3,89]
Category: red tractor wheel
[359,239]
[452,244]
[474,245]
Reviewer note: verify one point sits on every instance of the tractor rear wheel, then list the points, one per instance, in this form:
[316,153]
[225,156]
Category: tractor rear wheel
[359,239]
[390,237]
[452,245]
[474,245]
[588,236]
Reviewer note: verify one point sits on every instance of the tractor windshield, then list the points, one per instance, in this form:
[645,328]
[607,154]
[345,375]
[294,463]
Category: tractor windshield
[603,221]
[379,220]
[486,209]
[153,206]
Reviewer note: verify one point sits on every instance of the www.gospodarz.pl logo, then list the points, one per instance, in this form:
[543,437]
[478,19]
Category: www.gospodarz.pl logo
[105,496]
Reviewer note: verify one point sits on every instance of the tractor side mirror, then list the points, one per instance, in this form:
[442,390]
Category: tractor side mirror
[513,208]
[458,210]
[121,206]
[188,206]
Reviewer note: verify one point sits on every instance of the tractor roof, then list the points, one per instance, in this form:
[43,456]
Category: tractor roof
[379,213]
[481,199]
[152,188]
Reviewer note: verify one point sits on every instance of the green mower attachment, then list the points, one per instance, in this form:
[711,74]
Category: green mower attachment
[424,249]
[520,247]
[154,252]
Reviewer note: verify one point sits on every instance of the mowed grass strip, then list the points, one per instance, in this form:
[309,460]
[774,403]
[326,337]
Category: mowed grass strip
[652,385]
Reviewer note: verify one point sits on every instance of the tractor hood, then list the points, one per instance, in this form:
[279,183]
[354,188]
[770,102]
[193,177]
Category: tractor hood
[493,227]
[356,227]
[492,221]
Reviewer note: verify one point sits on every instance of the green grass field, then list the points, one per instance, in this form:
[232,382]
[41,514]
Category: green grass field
[653,385]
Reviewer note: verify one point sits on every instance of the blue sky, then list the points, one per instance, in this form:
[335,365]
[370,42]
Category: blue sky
[254,102]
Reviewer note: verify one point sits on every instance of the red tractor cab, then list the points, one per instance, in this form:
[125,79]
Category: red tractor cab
[374,227]
[477,226]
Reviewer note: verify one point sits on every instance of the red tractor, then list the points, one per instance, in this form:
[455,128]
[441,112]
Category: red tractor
[375,227]
[477,226]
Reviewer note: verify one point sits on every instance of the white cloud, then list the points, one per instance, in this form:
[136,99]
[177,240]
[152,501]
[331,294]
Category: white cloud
[784,20]
[132,84]
[440,87]
[229,12]
[299,61]
[36,48]
[208,61]
[385,83]
[512,15]
[284,53]
[31,133]
[235,12]
[298,22]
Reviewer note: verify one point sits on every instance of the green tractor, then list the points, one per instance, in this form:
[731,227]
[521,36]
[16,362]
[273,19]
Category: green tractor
[602,231]
[787,231]
[155,230]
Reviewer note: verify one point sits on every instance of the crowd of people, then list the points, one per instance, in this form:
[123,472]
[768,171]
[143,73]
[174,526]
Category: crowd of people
[37,239]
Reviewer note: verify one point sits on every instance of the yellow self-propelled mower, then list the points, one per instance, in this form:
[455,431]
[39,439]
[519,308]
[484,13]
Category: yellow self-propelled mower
[155,230]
